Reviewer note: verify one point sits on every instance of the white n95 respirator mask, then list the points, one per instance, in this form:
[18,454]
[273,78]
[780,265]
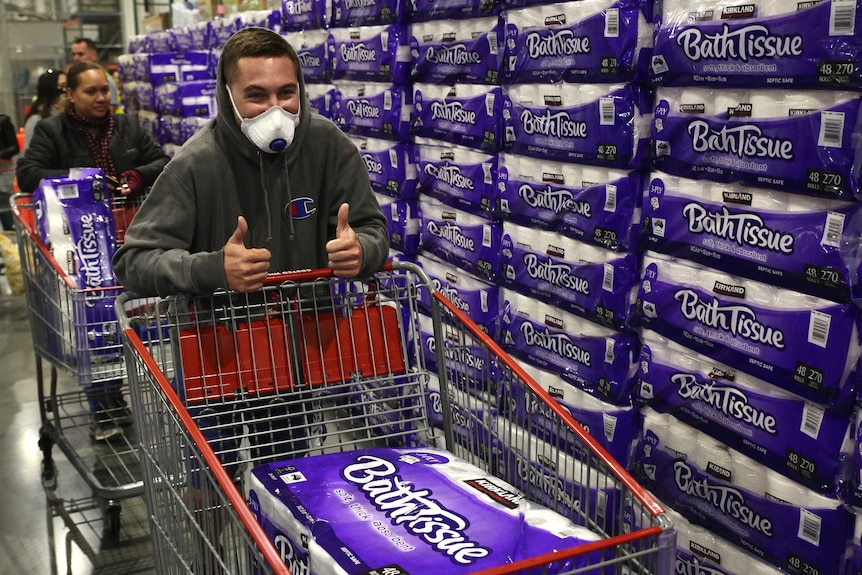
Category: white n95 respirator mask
[272,131]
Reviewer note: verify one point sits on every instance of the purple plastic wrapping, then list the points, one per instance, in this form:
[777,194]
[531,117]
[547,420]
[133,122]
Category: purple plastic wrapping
[453,51]
[178,67]
[312,47]
[772,426]
[303,15]
[803,143]
[187,99]
[598,360]
[457,176]
[603,125]
[370,54]
[586,41]
[373,110]
[402,223]
[806,345]
[801,243]
[425,10]
[367,12]
[465,114]
[322,99]
[390,166]
[791,44]
[578,278]
[594,205]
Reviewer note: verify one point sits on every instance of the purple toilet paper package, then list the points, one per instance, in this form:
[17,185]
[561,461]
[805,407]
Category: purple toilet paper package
[374,110]
[605,125]
[614,428]
[402,223]
[591,41]
[457,51]
[464,114]
[303,15]
[597,289]
[312,47]
[390,166]
[186,99]
[367,12]
[425,10]
[799,242]
[457,176]
[802,142]
[476,298]
[792,535]
[597,360]
[335,503]
[178,67]
[594,205]
[322,99]
[370,54]
[776,428]
[791,44]
[806,345]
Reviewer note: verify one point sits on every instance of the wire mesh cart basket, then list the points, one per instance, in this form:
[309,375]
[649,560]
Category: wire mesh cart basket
[312,364]
[7,186]
[75,332]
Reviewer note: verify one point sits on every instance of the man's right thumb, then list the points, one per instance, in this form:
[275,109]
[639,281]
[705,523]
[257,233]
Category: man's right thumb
[239,234]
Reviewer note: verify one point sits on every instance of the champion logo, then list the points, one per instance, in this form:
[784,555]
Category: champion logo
[300,208]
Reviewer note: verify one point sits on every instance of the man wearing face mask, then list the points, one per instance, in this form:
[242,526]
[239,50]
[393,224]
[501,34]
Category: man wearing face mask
[266,186]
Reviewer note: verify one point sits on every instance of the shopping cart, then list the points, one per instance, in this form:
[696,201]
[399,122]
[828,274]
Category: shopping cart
[343,361]
[75,331]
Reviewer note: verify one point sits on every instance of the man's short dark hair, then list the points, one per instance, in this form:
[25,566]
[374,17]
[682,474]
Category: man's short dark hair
[89,43]
[254,43]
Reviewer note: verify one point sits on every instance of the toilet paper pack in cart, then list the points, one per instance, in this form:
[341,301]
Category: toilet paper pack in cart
[408,511]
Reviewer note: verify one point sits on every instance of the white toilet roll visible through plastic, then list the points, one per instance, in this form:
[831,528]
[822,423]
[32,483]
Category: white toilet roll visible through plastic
[748,474]
[782,489]
[712,457]
[681,440]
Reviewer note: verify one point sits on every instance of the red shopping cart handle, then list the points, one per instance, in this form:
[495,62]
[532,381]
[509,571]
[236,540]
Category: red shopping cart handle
[308,275]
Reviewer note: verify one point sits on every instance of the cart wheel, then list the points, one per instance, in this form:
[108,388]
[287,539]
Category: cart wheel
[49,470]
[112,520]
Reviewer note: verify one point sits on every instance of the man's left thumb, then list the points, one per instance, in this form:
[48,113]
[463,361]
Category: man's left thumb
[343,222]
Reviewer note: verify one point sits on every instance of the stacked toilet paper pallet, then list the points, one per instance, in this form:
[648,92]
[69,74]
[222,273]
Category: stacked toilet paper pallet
[749,363]
[402,511]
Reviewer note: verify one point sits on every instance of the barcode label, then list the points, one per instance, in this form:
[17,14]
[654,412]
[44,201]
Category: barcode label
[612,23]
[608,279]
[831,129]
[609,423]
[387,100]
[609,350]
[384,39]
[483,300]
[812,419]
[393,157]
[607,112]
[809,527]
[842,20]
[486,236]
[610,198]
[492,42]
[601,503]
[486,173]
[833,230]
[818,328]
[490,98]
[67,191]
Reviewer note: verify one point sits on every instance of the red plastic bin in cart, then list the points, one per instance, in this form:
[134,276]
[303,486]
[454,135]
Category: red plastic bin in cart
[316,365]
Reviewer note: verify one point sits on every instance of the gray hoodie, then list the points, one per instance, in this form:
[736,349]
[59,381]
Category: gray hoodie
[175,243]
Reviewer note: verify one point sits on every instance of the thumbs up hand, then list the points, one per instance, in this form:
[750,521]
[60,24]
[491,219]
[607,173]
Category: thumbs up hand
[345,251]
[245,269]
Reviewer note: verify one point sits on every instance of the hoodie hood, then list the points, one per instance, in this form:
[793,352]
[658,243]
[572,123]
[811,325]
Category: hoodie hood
[227,120]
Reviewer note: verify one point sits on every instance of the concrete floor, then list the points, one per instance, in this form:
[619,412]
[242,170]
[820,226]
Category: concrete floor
[60,531]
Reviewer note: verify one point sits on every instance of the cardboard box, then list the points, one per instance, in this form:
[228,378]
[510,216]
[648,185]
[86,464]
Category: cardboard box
[157,22]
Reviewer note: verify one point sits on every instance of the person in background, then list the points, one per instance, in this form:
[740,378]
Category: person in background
[50,88]
[8,139]
[86,134]
[85,50]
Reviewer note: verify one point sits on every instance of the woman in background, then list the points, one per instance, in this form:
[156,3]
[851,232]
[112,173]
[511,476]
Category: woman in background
[51,85]
[87,135]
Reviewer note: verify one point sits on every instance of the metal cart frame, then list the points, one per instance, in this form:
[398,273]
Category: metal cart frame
[350,353]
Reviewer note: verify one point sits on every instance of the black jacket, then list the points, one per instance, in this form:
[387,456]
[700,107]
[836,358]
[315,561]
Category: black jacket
[58,145]
[8,139]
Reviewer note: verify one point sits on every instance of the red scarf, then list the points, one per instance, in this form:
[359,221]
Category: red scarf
[98,143]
